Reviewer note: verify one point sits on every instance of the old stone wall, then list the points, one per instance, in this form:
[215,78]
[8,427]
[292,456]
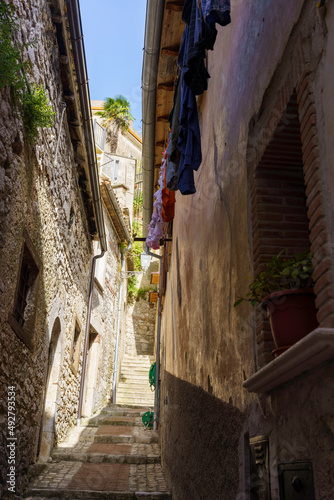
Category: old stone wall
[140,317]
[207,344]
[40,203]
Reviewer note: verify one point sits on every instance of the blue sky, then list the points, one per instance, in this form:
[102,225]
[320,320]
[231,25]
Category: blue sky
[114,40]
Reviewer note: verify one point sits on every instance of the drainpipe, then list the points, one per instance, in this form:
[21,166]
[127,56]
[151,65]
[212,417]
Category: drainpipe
[157,358]
[153,26]
[74,20]
[119,314]
[89,312]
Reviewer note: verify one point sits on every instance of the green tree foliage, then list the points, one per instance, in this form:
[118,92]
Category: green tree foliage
[117,109]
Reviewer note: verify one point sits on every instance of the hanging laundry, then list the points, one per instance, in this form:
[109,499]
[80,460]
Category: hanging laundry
[162,207]
[191,57]
[205,35]
[189,143]
[168,197]
[216,11]
[173,153]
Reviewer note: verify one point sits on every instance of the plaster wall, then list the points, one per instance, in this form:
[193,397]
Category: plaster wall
[206,342]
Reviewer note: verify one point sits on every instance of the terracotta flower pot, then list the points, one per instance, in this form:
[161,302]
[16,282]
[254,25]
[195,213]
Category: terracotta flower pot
[292,315]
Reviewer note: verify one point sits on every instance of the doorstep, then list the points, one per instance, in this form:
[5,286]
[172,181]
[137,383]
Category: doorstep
[314,349]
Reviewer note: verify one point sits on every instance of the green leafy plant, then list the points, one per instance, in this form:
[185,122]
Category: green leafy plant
[132,289]
[138,201]
[280,274]
[30,101]
[36,112]
[144,291]
[12,69]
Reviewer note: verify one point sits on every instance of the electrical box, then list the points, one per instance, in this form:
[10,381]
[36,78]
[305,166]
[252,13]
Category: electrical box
[259,468]
[296,481]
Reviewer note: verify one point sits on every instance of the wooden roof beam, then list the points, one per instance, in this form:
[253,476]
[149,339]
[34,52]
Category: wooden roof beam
[168,86]
[163,119]
[170,51]
[176,5]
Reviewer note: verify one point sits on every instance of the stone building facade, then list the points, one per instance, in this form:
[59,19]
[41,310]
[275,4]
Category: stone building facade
[119,153]
[48,223]
[236,423]
[141,317]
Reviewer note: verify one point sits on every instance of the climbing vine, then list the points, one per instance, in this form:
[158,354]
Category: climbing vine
[29,100]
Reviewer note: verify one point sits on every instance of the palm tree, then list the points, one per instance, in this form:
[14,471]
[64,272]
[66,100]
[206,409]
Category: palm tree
[117,117]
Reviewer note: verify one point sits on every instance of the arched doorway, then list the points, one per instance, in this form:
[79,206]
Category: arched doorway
[47,434]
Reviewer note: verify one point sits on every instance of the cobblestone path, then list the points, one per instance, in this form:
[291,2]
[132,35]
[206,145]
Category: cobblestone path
[111,456]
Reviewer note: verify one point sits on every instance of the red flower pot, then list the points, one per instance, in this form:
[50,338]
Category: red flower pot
[292,315]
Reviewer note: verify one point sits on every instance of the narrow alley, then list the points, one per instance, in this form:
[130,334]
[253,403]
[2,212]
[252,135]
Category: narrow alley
[166,250]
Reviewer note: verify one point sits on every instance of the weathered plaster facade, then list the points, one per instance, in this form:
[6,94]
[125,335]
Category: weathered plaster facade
[267,57]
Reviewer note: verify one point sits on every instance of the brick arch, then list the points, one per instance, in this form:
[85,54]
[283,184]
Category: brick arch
[293,108]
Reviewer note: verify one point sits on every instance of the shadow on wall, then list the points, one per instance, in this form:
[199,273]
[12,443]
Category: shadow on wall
[205,464]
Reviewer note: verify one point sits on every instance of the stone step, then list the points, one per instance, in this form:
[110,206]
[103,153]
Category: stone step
[148,439]
[135,395]
[134,387]
[139,357]
[50,494]
[119,412]
[127,396]
[98,458]
[135,383]
[96,421]
[145,402]
[133,374]
[135,365]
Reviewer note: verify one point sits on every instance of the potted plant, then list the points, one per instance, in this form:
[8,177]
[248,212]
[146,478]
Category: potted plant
[285,290]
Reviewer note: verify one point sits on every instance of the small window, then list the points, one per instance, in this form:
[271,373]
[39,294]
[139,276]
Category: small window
[116,170]
[22,319]
[71,219]
[75,351]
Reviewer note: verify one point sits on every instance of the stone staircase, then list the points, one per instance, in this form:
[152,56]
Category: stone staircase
[134,388]
[111,456]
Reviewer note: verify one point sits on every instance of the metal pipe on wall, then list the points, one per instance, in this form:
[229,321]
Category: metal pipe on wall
[89,312]
[153,25]
[74,19]
[157,358]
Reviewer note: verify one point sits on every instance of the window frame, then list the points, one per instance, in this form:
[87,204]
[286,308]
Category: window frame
[25,332]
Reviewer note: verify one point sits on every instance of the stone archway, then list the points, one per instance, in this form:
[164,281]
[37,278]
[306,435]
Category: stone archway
[47,435]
